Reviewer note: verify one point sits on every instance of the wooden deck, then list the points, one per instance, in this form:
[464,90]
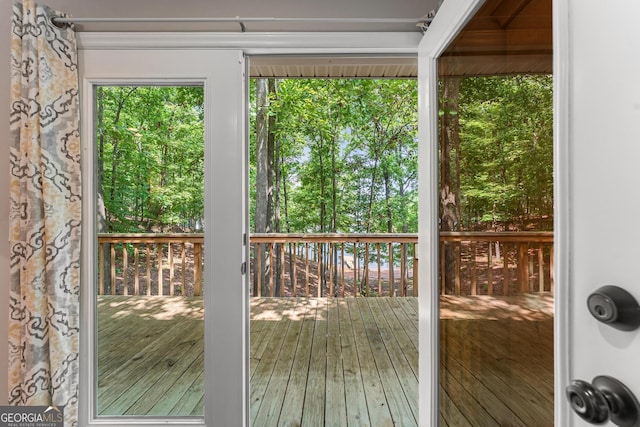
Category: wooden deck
[343,362]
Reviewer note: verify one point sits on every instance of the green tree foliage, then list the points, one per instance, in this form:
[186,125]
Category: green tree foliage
[506,159]
[151,154]
[345,152]
[348,153]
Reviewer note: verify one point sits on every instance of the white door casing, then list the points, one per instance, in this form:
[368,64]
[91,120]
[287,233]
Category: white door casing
[225,296]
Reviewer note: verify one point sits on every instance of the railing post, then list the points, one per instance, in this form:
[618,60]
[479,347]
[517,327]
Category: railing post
[136,272]
[197,266]
[523,267]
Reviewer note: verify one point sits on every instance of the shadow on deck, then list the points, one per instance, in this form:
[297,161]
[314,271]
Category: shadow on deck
[341,361]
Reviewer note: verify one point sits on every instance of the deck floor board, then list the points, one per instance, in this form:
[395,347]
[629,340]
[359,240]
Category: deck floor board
[335,362]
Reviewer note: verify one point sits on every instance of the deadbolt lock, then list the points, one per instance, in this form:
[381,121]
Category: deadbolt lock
[615,307]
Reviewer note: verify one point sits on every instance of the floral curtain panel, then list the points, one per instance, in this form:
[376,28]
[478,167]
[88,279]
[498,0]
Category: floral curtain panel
[45,212]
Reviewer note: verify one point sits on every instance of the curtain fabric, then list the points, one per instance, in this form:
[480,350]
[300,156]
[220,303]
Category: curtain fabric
[45,212]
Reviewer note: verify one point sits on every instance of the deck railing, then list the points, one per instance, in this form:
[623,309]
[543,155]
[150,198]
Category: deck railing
[471,263]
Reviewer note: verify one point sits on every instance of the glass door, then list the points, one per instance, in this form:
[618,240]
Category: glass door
[488,225]
[164,302]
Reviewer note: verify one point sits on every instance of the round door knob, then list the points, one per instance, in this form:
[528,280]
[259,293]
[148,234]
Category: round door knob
[587,402]
[604,399]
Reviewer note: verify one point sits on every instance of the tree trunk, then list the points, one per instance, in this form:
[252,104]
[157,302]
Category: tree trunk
[277,173]
[102,216]
[264,187]
[449,137]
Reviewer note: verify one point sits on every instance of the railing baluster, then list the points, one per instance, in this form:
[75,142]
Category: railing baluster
[505,286]
[270,257]
[490,268]
[101,270]
[474,281]
[306,275]
[415,269]
[113,269]
[147,249]
[172,291]
[183,282]
[403,283]
[125,268]
[541,268]
[160,269]
[197,265]
[257,274]
[294,279]
[282,271]
[356,277]
[379,271]
[457,267]
[366,269]
[391,270]
[443,279]
[342,268]
[551,269]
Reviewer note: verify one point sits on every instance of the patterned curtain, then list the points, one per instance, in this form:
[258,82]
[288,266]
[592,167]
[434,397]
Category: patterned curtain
[45,212]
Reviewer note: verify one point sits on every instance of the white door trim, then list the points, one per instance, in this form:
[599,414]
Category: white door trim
[561,211]
[355,43]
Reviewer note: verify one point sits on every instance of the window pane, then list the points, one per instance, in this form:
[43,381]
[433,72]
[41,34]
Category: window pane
[150,311]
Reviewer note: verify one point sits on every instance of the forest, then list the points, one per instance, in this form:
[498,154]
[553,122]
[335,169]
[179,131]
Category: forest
[333,155]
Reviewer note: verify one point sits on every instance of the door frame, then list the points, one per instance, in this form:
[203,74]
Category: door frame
[450,19]
[226,409]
